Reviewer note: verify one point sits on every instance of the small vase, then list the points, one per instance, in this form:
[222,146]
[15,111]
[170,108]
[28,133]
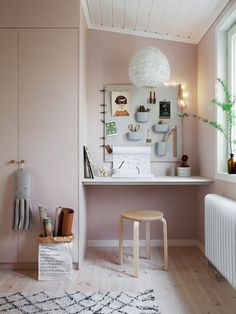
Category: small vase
[231,165]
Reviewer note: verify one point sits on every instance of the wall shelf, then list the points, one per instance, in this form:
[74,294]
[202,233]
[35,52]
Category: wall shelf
[164,180]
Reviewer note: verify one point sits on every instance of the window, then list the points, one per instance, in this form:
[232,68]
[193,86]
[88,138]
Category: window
[226,70]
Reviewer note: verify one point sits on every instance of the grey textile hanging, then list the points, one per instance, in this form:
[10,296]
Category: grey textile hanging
[22,219]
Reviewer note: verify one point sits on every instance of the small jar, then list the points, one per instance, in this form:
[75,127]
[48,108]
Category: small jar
[47,224]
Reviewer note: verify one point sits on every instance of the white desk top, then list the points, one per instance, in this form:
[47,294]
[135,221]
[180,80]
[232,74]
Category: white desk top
[165,180]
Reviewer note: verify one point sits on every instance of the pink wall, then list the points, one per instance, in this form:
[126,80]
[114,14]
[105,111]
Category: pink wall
[109,55]
[105,204]
[206,135]
[109,58]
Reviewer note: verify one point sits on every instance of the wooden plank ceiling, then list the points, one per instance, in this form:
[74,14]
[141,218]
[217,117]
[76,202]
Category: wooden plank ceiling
[179,20]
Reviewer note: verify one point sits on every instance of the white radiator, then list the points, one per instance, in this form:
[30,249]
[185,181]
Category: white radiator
[220,235]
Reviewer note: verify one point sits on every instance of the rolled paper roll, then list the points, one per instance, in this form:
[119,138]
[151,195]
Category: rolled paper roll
[42,215]
[67,220]
[56,224]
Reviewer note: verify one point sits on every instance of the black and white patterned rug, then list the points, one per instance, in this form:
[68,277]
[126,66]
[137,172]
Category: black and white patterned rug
[78,302]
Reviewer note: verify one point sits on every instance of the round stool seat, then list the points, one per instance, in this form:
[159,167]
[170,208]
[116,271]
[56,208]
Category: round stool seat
[142,215]
[145,216]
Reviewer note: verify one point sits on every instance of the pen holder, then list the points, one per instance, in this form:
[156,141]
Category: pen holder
[142,117]
[161,148]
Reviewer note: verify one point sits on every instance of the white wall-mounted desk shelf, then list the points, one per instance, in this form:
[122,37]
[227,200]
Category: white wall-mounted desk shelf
[164,180]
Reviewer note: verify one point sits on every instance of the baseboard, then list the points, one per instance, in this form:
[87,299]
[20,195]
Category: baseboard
[200,246]
[27,266]
[129,243]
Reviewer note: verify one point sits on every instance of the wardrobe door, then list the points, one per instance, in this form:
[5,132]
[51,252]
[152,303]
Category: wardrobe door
[8,141]
[48,124]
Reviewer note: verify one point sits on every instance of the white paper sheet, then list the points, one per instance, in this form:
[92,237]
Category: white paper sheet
[131,161]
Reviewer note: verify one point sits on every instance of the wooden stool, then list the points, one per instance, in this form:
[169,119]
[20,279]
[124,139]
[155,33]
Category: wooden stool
[137,216]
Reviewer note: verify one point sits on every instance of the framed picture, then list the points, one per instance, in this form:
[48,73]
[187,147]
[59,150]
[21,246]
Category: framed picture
[120,104]
[164,110]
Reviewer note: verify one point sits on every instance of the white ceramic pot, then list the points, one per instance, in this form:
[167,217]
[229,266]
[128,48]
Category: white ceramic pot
[184,171]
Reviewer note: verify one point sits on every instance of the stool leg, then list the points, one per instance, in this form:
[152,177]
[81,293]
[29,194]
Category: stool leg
[136,248]
[121,240]
[165,243]
[148,251]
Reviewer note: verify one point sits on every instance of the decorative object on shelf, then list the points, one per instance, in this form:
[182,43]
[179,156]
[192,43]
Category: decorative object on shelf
[172,170]
[231,164]
[161,127]
[142,114]
[184,170]
[110,128]
[120,104]
[103,172]
[164,111]
[227,105]
[184,161]
[149,68]
[149,138]
[134,134]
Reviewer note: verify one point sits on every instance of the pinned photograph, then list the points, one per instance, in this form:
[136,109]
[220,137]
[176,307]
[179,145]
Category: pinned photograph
[164,109]
[110,128]
[120,104]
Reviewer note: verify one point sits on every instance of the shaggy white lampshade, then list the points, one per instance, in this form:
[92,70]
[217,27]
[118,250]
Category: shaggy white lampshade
[149,68]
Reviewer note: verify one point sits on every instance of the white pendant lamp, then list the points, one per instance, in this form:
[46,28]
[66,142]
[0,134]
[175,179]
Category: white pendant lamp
[149,68]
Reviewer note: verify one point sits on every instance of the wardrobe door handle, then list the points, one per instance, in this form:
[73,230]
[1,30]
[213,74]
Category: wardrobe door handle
[12,161]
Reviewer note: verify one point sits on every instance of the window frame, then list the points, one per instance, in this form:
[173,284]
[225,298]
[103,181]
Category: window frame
[232,70]
[222,64]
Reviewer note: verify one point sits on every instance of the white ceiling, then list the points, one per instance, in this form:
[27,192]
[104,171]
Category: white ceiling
[179,20]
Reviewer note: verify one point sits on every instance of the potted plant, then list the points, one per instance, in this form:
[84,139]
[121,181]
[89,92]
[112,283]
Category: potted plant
[227,105]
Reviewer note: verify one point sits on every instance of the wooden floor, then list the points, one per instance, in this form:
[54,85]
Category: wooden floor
[188,287]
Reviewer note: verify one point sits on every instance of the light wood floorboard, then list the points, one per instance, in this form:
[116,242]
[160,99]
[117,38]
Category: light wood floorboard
[188,287]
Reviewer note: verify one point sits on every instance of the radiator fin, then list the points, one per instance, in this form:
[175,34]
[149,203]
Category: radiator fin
[220,235]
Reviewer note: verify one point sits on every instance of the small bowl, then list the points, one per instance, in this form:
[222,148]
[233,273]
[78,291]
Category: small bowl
[135,136]
[161,128]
